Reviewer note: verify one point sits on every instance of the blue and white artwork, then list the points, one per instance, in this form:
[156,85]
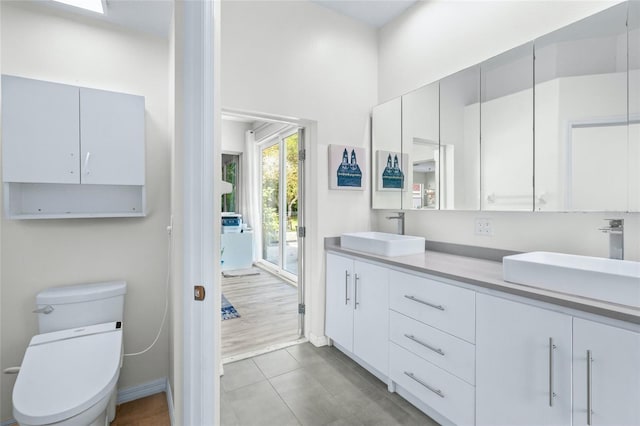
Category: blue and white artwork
[347,166]
[389,170]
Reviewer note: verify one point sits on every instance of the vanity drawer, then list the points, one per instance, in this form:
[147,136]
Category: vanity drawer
[443,306]
[445,393]
[447,352]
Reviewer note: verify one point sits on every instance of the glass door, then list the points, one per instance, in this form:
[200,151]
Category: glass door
[271,203]
[280,196]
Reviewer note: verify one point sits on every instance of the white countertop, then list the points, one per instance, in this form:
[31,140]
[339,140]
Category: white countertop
[488,274]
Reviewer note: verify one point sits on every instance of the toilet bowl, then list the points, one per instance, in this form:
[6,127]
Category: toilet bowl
[69,377]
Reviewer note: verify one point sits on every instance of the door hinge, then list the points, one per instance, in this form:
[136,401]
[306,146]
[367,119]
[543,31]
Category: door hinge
[302,231]
[302,155]
[302,308]
[198,292]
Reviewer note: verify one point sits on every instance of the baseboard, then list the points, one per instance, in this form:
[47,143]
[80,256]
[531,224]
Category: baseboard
[172,418]
[318,340]
[140,391]
[136,392]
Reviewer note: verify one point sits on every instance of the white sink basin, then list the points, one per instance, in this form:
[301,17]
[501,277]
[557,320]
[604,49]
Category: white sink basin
[383,244]
[611,280]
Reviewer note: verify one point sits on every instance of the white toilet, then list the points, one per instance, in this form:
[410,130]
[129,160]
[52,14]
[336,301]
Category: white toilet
[70,371]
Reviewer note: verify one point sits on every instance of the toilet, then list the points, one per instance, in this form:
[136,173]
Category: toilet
[70,370]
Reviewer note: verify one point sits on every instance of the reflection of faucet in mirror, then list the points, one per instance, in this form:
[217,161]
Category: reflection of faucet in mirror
[400,219]
[616,238]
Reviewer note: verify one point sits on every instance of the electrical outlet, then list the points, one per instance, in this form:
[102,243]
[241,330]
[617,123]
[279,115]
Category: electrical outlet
[483,226]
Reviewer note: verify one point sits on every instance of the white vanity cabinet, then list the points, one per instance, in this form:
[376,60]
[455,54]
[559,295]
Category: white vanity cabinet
[432,355]
[523,364]
[478,356]
[357,309]
[606,374]
[70,151]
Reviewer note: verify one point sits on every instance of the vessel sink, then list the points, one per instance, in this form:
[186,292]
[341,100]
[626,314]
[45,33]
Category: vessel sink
[616,281]
[383,244]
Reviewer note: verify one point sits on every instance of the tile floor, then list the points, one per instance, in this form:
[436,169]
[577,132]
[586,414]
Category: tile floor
[305,385]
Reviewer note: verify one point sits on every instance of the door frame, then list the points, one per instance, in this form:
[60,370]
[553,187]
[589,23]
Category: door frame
[201,172]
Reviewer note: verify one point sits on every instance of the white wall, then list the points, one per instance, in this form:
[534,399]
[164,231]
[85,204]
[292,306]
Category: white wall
[42,253]
[298,59]
[233,136]
[434,39]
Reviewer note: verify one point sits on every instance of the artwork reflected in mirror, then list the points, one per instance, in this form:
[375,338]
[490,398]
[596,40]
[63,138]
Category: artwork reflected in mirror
[387,159]
[390,173]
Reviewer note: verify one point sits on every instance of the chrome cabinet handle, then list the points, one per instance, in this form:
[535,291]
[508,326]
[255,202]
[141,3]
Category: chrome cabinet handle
[346,287]
[86,163]
[355,291]
[434,390]
[552,394]
[415,299]
[589,378]
[420,342]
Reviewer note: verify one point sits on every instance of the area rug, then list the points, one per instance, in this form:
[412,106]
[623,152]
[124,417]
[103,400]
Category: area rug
[228,311]
[240,273]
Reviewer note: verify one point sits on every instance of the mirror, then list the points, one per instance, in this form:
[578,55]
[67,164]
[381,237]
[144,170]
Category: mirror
[388,178]
[634,106]
[507,131]
[460,140]
[582,158]
[421,148]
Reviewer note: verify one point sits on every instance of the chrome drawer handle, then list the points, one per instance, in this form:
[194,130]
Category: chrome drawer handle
[589,380]
[346,287]
[420,342]
[434,390]
[415,299]
[552,394]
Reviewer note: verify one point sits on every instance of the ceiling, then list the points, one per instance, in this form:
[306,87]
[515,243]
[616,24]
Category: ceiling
[375,13]
[147,16]
[154,16]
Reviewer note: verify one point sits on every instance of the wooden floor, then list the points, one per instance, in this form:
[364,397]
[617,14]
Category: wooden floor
[268,309]
[150,411]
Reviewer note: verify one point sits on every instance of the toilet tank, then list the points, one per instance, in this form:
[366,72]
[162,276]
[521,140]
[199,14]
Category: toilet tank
[61,308]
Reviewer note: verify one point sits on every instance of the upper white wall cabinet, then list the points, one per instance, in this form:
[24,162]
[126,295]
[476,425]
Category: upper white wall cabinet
[111,138]
[40,137]
[71,151]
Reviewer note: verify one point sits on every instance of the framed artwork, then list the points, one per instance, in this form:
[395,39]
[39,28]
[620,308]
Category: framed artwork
[347,167]
[390,175]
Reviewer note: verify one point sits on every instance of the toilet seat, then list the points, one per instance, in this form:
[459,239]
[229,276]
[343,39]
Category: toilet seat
[67,372]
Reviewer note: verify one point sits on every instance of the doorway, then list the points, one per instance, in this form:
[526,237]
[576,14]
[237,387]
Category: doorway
[266,177]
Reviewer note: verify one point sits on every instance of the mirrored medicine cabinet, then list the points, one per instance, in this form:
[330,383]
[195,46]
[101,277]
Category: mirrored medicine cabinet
[552,125]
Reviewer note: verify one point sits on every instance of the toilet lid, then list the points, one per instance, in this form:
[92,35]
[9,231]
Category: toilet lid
[66,372]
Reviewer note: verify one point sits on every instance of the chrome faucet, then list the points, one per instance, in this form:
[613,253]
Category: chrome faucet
[400,219]
[616,238]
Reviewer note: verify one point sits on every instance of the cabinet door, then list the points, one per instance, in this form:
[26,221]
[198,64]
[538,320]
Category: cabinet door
[371,315]
[40,141]
[608,385]
[112,138]
[339,300]
[518,368]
